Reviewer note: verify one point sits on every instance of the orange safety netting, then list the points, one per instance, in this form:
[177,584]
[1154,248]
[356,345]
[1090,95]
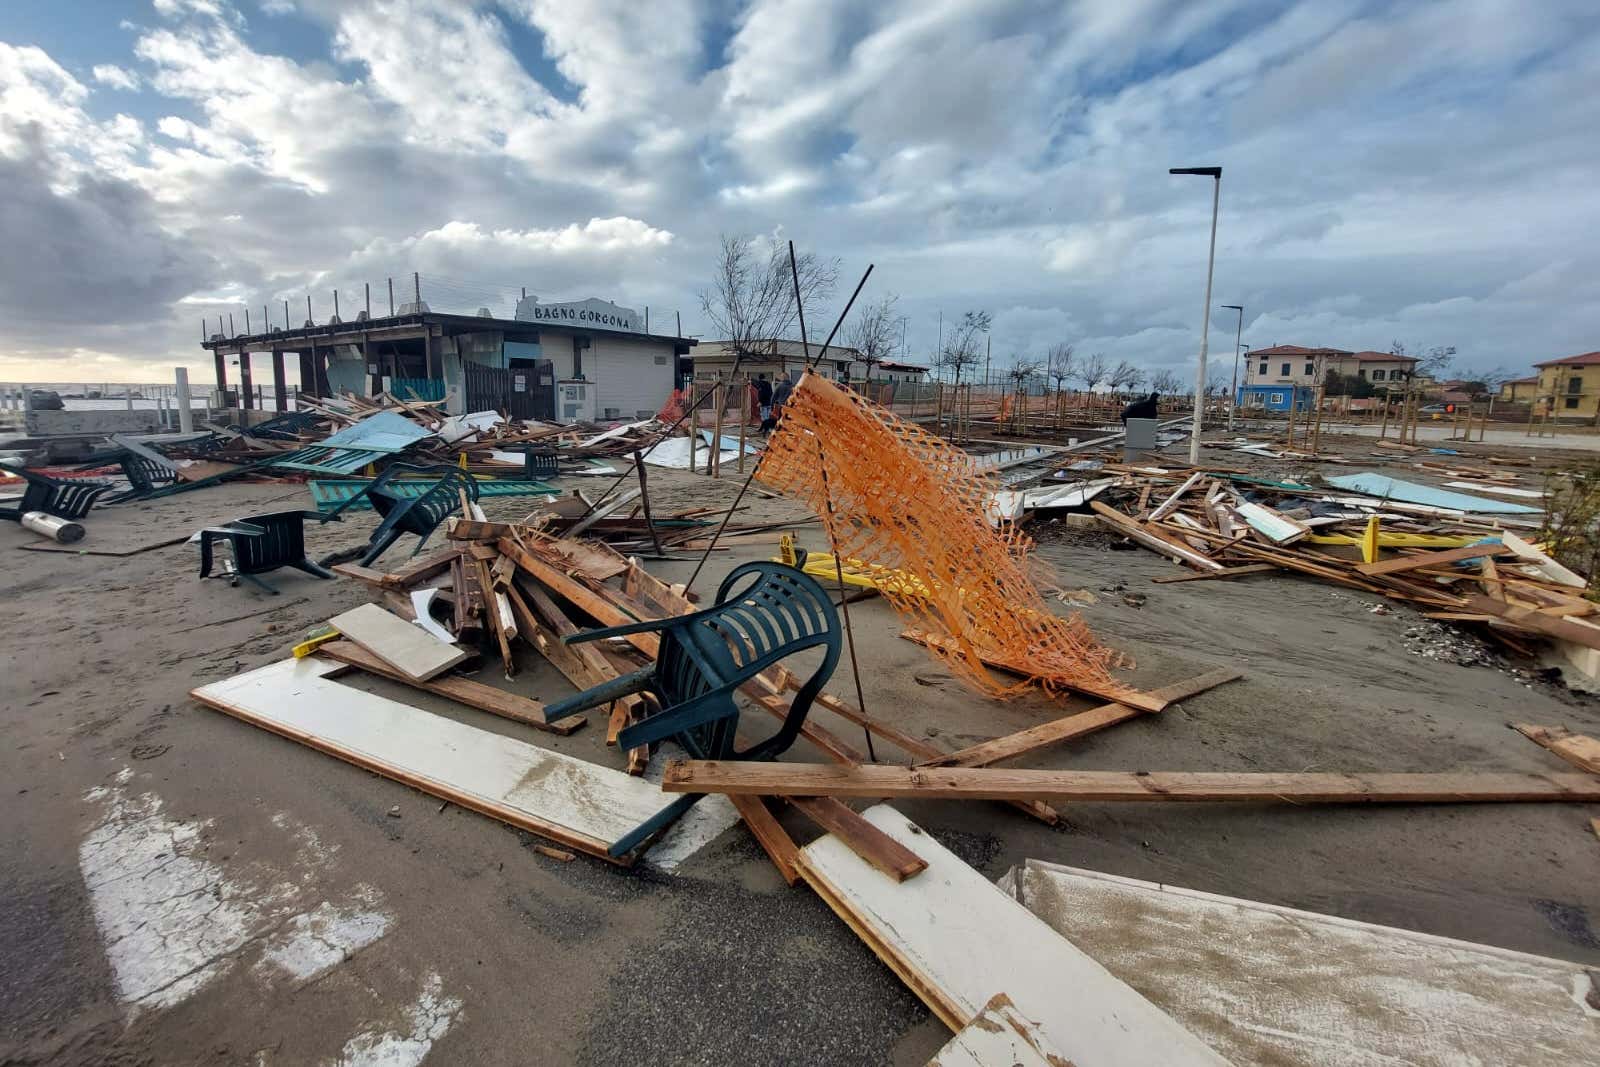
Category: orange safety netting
[895,495]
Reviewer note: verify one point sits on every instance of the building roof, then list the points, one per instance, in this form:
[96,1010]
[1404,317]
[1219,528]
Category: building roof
[354,331]
[1297,350]
[781,346]
[1381,357]
[1532,379]
[894,364]
[1586,360]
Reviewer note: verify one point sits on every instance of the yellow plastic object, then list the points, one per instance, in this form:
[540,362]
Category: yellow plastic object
[856,574]
[1369,541]
[314,639]
[1396,540]
[909,509]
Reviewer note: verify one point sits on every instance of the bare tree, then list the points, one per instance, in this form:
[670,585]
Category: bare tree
[1433,362]
[1061,364]
[1094,370]
[1124,376]
[1218,380]
[1167,383]
[874,331]
[963,347]
[751,301]
[1023,371]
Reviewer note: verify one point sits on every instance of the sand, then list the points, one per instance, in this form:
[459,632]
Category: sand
[439,933]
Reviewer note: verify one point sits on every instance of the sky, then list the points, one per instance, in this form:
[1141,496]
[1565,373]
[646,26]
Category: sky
[1421,172]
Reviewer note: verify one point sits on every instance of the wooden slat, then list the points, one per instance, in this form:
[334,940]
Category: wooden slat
[421,568]
[988,783]
[1070,726]
[861,837]
[1230,572]
[772,837]
[1530,619]
[1579,750]
[402,645]
[1431,559]
[462,690]
[1152,539]
[371,576]
[1124,694]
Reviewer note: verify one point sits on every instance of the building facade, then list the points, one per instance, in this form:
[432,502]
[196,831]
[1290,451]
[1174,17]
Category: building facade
[1285,365]
[1569,388]
[1518,390]
[589,360]
[772,360]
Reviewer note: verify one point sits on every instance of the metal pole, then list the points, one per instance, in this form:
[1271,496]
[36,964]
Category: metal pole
[185,412]
[391,298]
[309,319]
[1233,397]
[416,288]
[1205,330]
[247,329]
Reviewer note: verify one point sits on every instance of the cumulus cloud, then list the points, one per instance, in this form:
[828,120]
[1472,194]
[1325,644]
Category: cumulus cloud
[1416,171]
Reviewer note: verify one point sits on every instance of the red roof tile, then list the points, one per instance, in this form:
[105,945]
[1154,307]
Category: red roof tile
[1586,360]
[1381,357]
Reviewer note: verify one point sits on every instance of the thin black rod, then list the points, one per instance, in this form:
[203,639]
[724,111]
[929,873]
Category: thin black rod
[799,304]
[829,342]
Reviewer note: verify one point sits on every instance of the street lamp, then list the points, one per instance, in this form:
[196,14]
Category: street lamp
[1238,334]
[1215,174]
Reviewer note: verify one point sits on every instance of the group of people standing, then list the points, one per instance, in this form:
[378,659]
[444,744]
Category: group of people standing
[770,401]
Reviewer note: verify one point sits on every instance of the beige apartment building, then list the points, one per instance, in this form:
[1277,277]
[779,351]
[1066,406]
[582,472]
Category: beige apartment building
[1298,365]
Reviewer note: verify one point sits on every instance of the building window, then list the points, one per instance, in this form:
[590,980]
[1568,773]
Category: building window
[1285,371]
[1574,385]
[1377,375]
[1263,367]
[1572,401]
[1311,368]
[1361,372]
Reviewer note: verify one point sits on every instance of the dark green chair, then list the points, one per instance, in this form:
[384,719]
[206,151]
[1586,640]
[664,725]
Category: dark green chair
[403,514]
[764,613]
[262,543]
[67,498]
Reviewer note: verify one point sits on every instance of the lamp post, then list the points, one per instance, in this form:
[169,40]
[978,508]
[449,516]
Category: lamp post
[1215,174]
[1238,334]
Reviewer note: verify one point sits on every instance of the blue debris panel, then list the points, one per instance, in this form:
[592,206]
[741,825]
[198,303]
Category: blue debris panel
[329,493]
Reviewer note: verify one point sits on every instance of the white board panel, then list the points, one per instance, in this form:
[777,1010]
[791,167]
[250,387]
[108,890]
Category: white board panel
[1264,984]
[998,1036]
[588,803]
[409,649]
[957,940]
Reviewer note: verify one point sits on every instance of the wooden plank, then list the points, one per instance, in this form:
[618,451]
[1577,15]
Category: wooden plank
[988,783]
[1432,559]
[1276,527]
[1529,619]
[398,643]
[370,575]
[1152,540]
[1070,726]
[461,529]
[1171,502]
[864,839]
[1229,572]
[772,837]
[421,568]
[602,609]
[498,609]
[572,802]
[1579,750]
[1125,694]
[1304,989]
[998,1035]
[462,690]
[956,940]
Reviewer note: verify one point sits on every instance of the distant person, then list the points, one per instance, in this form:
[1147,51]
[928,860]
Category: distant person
[780,397]
[1141,409]
[764,403]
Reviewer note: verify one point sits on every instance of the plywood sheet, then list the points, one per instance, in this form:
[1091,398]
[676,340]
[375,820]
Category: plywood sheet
[998,1037]
[957,940]
[403,645]
[1264,984]
[578,803]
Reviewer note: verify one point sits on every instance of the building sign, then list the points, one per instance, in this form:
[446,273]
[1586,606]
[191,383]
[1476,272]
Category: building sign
[601,314]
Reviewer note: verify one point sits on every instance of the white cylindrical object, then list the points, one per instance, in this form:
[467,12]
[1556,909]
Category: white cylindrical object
[185,412]
[27,397]
[54,527]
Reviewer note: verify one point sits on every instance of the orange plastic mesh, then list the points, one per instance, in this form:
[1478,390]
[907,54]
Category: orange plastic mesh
[893,494]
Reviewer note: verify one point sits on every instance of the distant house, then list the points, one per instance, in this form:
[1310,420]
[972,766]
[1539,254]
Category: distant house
[1572,384]
[772,359]
[1518,390]
[894,372]
[1284,365]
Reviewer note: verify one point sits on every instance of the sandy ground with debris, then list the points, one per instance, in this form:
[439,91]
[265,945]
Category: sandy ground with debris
[185,888]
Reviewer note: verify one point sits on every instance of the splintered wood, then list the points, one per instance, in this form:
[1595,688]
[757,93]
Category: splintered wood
[896,496]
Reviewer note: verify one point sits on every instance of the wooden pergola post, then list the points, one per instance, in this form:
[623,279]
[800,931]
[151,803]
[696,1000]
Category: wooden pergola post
[280,387]
[222,370]
[245,388]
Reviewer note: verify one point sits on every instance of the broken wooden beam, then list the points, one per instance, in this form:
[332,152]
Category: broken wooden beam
[987,783]
[861,837]
[1433,559]
[1070,726]
[1579,750]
